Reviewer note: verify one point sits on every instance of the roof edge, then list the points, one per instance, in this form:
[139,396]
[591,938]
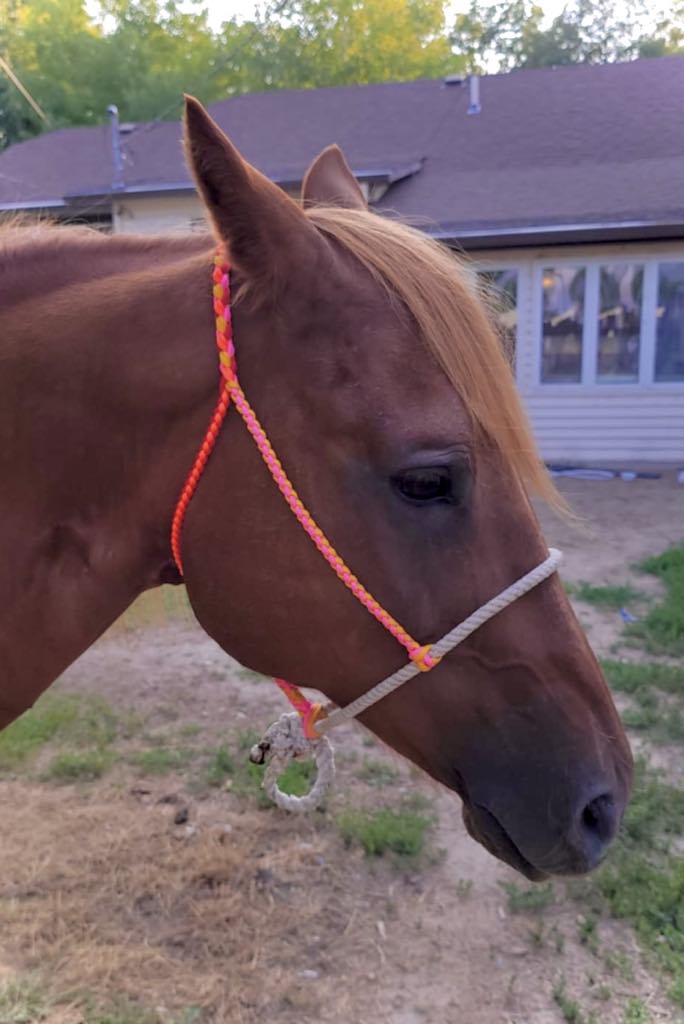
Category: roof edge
[548,234]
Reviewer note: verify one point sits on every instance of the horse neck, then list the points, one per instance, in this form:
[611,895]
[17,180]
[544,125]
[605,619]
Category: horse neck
[108,379]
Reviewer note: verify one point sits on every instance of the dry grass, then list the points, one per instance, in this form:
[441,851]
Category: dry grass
[109,900]
[155,607]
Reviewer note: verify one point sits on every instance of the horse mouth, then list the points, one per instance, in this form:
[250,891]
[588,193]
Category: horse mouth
[484,828]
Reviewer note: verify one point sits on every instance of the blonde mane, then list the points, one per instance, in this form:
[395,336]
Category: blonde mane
[455,321]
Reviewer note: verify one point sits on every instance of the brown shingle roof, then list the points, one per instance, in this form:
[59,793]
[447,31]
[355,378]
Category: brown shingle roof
[587,145]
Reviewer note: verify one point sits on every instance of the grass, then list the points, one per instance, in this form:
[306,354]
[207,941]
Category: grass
[296,780]
[570,1010]
[221,766]
[377,773]
[401,831]
[162,760]
[614,597]
[587,933]
[81,721]
[123,1012]
[617,962]
[643,881]
[79,766]
[657,693]
[663,721]
[631,676]
[156,607]
[66,719]
[21,1002]
[636,1013]
[662,629]
[534,899]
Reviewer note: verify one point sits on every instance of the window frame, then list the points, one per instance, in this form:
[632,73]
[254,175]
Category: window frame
[522,301]
[647,349]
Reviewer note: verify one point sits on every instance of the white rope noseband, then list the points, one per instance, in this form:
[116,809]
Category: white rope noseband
[285,739]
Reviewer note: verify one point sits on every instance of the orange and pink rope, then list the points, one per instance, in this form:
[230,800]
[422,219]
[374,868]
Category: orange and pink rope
[231,391]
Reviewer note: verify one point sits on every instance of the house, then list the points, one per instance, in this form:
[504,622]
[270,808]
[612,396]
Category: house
[565,185]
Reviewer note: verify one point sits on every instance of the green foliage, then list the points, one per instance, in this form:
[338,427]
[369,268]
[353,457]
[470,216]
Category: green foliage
[532,899]
[398,830]
[662,629]
[512,34]
[77,58]
[85,766]
[83,721]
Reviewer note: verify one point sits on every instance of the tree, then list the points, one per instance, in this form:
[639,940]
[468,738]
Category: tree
[511,34]
[310,43]
[143,54]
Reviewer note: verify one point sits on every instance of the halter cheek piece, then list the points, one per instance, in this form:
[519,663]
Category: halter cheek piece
[302,732]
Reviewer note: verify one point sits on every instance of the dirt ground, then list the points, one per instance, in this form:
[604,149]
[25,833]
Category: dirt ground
[239,915]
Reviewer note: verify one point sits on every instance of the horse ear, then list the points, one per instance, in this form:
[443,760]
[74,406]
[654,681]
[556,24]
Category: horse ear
[330,182]
[263,229]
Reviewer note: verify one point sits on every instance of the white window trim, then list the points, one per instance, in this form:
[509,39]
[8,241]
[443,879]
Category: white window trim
[482,266]
[589,383]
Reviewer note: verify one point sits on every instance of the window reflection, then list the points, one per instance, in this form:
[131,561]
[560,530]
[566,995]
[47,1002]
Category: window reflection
[563,324]
[619,332]
[501,290]
[669,360]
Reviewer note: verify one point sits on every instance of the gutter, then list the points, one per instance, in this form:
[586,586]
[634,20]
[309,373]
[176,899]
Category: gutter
[548,234]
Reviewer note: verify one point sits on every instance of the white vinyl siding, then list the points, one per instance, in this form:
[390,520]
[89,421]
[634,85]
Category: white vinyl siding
[592,421]
[156,214]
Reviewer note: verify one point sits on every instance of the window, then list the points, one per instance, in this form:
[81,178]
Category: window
[562,324]
[669,354]
[501,287]
[619,323]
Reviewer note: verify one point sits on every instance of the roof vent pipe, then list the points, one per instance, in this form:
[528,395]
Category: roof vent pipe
[474,94]
[117,155]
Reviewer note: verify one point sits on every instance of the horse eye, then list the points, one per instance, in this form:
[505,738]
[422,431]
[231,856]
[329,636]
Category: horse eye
[425,485]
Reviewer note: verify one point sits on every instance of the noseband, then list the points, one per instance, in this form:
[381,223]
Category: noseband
[302,733]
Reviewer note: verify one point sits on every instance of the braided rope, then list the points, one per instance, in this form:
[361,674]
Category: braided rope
[301,734]
[284,741]
[452,639]
[224,343]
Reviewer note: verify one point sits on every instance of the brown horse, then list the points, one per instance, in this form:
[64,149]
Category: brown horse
[374,367]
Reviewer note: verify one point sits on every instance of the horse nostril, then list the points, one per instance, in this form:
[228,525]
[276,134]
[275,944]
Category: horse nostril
[599,821]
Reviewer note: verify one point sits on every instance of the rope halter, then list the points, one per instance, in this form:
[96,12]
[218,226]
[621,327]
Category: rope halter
[302,733]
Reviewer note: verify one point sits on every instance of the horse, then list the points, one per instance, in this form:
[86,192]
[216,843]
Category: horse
[378,375]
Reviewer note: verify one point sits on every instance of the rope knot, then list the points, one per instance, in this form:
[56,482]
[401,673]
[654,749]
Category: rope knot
[285,741]
[421,657]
